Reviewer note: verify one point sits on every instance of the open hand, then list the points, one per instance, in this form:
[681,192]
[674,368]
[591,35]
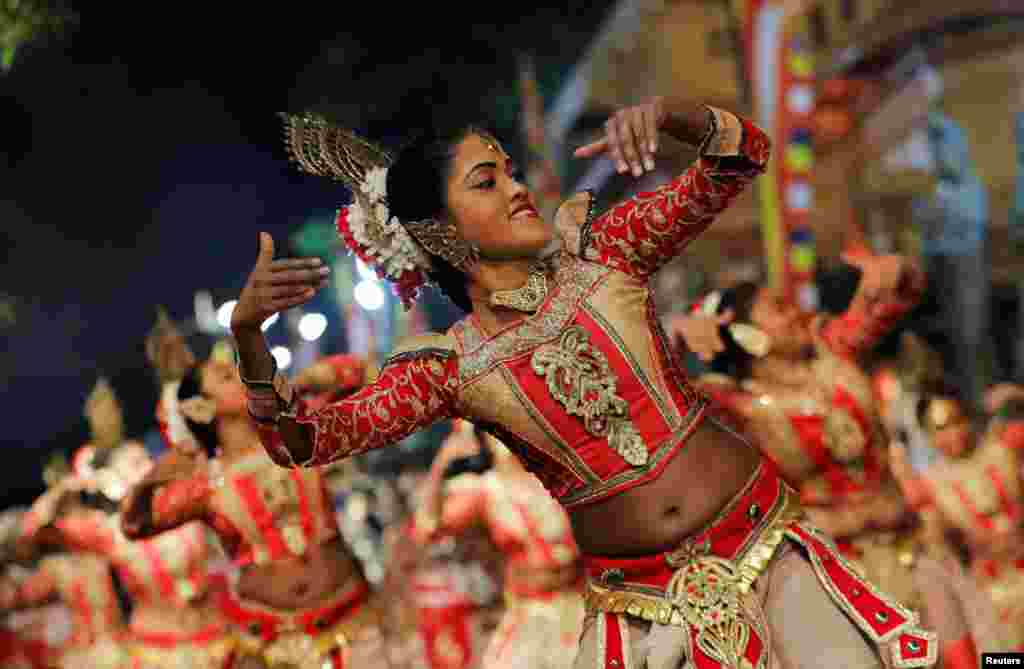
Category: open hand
[701,334]
[630,138]
[887,278]
[276,285]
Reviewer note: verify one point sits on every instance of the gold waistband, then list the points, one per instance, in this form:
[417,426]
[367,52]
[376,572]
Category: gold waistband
[696,576]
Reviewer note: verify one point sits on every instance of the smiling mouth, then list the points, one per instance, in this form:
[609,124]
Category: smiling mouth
[525,212]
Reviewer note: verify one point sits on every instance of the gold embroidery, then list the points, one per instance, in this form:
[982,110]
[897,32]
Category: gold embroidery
[704,591]
[843,436]
[573,279]
[527,298]
[579,377]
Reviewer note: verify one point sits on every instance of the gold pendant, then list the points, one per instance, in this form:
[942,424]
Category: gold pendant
[527,298]
[580,378]
[705,591]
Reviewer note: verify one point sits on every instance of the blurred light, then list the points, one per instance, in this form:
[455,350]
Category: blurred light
[312,326]
[799,196]
[800,99]
[269,322]
[283,357]
[224,313]
[369,295]
[364,271]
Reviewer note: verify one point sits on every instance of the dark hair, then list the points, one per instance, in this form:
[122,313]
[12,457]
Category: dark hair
[478,463]
[734,361]
[206,434]
[417,188]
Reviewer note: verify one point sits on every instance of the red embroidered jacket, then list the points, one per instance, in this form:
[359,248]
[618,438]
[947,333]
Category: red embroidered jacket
[586,390]
[826,434]
[83,583]
[168,569]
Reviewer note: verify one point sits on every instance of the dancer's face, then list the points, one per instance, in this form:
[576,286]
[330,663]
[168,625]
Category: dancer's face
[951,430]
[781,320]
[222,384]
[490,206]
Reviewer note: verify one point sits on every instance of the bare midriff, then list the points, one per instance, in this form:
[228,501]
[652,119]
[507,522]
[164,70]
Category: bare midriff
[695,486]
[158,618]
[301,582]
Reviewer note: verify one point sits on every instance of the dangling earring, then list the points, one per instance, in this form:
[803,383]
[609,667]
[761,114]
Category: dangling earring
[444,241]
[751,339]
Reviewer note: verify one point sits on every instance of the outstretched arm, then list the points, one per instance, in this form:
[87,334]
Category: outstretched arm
[173,493]
[890,286]
[413,390]
[449,506]
[643,233]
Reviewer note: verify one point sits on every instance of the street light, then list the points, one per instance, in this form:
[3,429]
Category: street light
[282,356]
[224,313]
[369,295]
[312,326]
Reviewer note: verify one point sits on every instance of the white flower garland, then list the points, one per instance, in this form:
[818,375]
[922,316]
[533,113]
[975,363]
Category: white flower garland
[390,243]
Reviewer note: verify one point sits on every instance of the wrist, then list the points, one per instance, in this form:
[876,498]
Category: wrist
[689,124]
[247,330]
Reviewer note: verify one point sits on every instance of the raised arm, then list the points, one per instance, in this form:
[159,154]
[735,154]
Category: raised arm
[173,493]
[415,388]
[890,286]
[645,232]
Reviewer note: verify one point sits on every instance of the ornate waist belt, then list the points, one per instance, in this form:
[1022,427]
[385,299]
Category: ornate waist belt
[701,585]
[732,550]
[268,623]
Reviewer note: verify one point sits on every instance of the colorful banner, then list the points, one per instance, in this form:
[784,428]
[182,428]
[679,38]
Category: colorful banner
[781,66]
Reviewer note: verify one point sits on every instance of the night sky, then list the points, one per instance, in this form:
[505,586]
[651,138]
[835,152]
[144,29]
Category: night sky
[141,155]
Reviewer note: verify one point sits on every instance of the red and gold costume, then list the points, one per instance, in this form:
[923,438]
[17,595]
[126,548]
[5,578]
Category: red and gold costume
[449,594]
[979,495]
[544,614]
[162,574]
[587,393]
[264,514]
[83,583]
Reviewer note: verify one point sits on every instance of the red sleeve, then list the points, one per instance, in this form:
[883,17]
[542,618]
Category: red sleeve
[36,589]
[412,391]
[1013,435]
[643,233]
[863,325]
[349,370]
[87,532]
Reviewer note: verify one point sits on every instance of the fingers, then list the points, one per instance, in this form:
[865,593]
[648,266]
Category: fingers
[615,145]
[628,143]
[266,254]
[643,138]
[651,127]
[295,263]
[592,149]
[287,277]
[290,302]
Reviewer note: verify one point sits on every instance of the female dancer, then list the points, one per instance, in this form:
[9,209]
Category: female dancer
[82,581]
[174,619]
[691,542]
[470,485]
[300,590]
[974,495]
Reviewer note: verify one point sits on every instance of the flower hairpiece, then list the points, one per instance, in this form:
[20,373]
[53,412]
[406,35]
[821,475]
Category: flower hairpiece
[751,339]
[380,240]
